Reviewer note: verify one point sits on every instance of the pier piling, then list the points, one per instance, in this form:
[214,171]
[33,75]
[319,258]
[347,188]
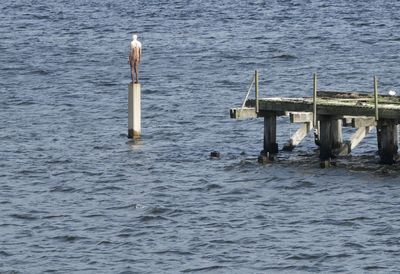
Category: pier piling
[387,140]
[270,145]
[326,143]
[134,111]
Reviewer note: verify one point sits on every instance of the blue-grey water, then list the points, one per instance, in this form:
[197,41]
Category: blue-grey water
[77,197]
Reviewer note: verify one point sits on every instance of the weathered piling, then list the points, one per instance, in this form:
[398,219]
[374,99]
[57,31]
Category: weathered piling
[134,111]
[330,139]
[270,145]
[387,140]
[325,137]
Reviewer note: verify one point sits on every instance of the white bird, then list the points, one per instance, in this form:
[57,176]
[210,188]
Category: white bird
[392,92]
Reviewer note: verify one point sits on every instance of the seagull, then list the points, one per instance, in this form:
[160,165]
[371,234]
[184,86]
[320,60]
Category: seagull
[392,92]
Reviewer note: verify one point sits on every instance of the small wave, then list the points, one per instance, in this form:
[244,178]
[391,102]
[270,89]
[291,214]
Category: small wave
[132,206]
[329,221]
[239,191]
[374,267]
[305,256]
[147,218]
[104,242]
[299,185]
[55,216]
[354,245]
[5,254]
[207,188]
[105,147]
[108,188]
[213,186]
[63,189]
[59,161]
[23,216]
[157,210]
[93,215]
[40,72]
[26,103]
[285,57]
[219,241]
[385,230]
[173,252]
[205,268]
[68,238]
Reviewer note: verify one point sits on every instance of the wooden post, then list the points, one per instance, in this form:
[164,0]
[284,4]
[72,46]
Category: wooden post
[256,90]
[376,98]
[331,138]
[315,100]
[326,140]
[134,111]
[387,140]
[270,145]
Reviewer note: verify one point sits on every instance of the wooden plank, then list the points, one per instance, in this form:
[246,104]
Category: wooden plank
[301,117]
[363,122]
[327,107]
[297,137]
[355,140]
[243,113]
[358,136]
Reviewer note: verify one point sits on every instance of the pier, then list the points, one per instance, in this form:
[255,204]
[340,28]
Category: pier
[326,113]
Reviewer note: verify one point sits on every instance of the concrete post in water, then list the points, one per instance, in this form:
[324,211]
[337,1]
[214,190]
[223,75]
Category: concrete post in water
[134,111]
[387,140]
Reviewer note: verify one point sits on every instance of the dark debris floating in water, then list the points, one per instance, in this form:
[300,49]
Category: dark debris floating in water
[215,154]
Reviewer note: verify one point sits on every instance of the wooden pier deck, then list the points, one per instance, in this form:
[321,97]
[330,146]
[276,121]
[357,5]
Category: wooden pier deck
[326,112]
[328,103]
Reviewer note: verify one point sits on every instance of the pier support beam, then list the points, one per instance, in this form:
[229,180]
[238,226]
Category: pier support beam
[134,111]
[355,139]
[300,134]
[387,140]
[330,137]
[270,145]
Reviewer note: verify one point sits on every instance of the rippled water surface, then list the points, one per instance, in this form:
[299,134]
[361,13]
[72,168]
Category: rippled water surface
[77,197]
